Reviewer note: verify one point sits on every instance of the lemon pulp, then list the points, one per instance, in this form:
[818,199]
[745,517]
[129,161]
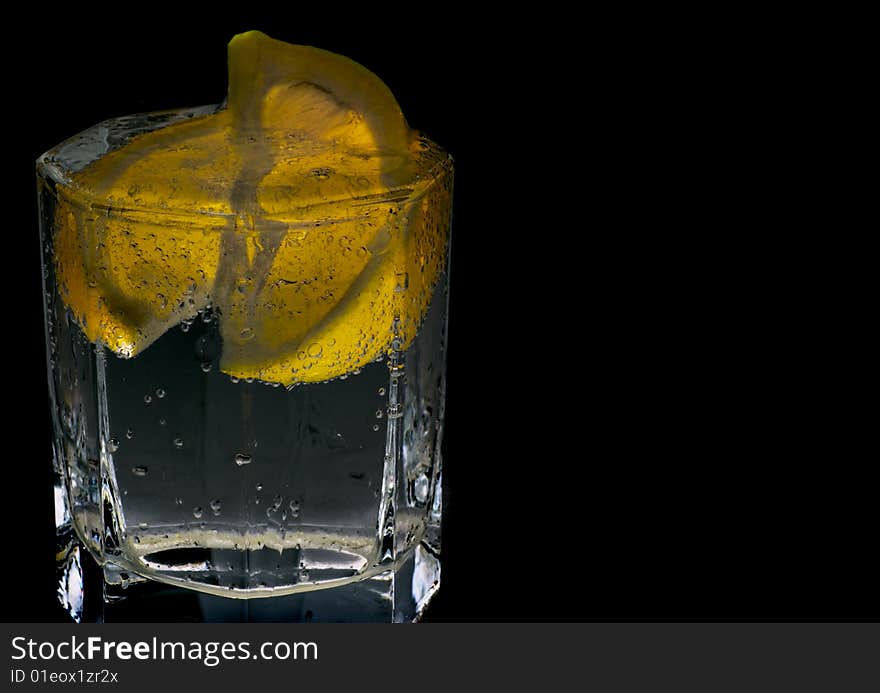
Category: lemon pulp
[305,211]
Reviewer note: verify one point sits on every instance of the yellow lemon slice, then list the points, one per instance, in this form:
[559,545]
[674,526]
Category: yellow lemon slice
[305,211]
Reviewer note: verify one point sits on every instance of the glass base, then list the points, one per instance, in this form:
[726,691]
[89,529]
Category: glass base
[90,593]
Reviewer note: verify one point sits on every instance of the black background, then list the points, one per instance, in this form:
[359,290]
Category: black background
[622,441]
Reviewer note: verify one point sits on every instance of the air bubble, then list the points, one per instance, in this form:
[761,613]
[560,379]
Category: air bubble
[215,506]
[259,487]
[139,471]
[160,393]
[178,501]
[420,488]
[233,379]
[113,445]
[162,422]
[148,398]
[242,459]
[378,413]
[206,367]
[375,427]
[129,434]
[178,442]
[197,512]
[247,333]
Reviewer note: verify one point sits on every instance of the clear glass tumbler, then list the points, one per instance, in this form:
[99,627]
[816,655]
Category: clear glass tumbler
[192,480]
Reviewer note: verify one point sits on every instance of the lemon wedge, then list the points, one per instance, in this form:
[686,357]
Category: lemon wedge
[304,210]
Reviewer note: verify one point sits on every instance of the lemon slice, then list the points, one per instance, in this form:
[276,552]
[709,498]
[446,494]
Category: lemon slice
[305,210]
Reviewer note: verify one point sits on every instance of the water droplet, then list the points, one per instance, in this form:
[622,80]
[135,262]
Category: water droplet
[160,393]
[148,398]
[163,302]
[215,506]
[381,390]
[206,367]
[420,488]
[322,173]
[139,471]
[378,413]
[197,512]
[178,442]
[247,333]
[375,427]
[178,501]
[113,445]
[129,434]
[315,350]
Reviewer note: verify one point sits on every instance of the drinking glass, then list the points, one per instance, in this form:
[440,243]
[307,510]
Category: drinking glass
[187,489]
